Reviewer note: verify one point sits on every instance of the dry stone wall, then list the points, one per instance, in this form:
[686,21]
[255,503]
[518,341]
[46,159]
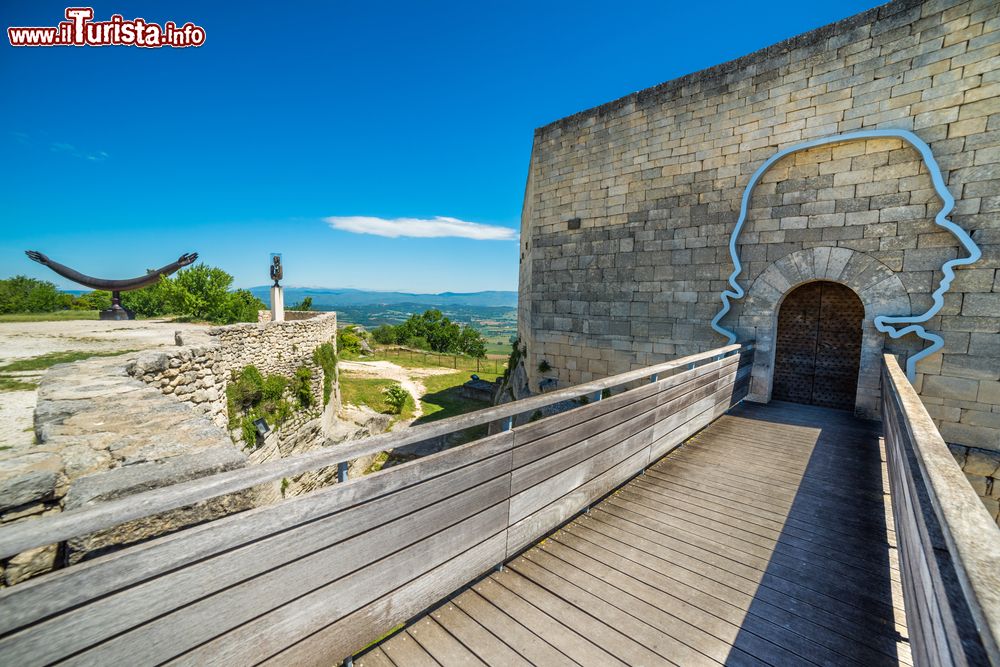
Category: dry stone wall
[629,207]
[198,373]
[290,315]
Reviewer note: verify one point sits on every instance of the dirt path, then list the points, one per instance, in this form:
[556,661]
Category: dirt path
[408,378]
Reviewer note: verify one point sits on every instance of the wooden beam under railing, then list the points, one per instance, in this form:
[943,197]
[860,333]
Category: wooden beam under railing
[949,545]
[19,537]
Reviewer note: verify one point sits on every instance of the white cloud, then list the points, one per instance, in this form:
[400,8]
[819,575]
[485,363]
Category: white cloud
[435,227]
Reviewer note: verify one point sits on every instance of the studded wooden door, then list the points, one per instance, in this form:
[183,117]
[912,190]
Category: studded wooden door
[819,346]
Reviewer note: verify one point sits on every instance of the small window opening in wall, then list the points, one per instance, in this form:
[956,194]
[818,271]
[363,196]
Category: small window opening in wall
[573,223]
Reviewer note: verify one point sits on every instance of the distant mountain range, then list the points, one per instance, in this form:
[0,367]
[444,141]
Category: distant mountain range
[331,298]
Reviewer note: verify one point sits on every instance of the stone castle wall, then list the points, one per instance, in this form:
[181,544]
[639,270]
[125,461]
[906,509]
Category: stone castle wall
[629,207]
[198,373]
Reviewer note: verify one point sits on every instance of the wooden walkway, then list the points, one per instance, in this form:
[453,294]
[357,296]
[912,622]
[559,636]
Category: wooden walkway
[765,539]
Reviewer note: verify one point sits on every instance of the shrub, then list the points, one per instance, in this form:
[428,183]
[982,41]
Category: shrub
[281,412]
[348,341]
[302,386]
[325,357]
[96,300]
[396,397]
[249,428]
[250,396]
[273,388]
[246,389]
[544,366]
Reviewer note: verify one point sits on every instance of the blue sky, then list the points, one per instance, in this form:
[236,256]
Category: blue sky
[380,116]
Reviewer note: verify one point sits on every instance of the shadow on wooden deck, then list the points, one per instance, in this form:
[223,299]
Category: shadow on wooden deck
[834,561]
[766,539]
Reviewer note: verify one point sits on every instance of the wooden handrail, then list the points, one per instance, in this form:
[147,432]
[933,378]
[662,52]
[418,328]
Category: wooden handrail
[54,529]
[950,546]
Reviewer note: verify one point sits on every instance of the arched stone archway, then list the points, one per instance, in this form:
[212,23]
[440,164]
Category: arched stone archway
[879,288]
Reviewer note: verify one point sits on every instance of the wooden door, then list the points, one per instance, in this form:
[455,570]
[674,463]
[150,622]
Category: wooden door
[819,346]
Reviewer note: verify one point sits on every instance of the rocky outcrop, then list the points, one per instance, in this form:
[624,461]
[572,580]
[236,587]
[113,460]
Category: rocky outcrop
[102,434]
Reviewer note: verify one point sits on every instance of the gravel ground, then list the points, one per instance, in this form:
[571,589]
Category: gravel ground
[23,340]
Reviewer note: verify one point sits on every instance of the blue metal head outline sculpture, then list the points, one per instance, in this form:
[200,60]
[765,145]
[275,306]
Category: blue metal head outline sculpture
[894,326]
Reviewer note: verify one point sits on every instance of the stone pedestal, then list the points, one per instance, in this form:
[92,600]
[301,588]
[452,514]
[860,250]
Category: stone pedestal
[277,304]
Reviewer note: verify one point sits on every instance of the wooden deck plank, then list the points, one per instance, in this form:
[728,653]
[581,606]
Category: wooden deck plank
[842,529]
[734,562]
[375,658]
[720,537]
[441,645]
[578,647]
[596,539]
[487,647]
[405,650]
[591,623]
[825,531]
[511,632]
[785,542]
[766,538]
[673,616]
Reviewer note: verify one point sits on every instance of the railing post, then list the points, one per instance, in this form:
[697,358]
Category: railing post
[506,425]
[342,472]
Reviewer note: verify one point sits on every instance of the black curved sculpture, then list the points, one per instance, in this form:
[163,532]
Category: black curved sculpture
[116,287]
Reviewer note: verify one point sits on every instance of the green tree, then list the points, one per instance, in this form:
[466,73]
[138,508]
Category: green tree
[432,330]
[242,307]
[385,334]
[305,304]
[148,301]
[201,292]
[22,294]
[472,343]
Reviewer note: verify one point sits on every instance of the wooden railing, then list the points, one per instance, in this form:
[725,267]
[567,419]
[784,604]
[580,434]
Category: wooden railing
[949,546]
[315,578]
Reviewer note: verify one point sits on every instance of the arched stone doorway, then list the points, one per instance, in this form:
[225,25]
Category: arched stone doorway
[818,347]
[879,287]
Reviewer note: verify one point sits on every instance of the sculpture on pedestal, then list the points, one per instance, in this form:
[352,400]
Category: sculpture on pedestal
[116,287]
[277,291]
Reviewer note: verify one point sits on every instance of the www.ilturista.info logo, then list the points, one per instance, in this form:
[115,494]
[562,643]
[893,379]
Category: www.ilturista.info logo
[80,30]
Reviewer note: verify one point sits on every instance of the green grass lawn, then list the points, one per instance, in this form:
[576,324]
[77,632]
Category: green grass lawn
[368,391]
[44,361]
[444,398]
[57,316]
[410,359]
[41,363]
[15,384]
